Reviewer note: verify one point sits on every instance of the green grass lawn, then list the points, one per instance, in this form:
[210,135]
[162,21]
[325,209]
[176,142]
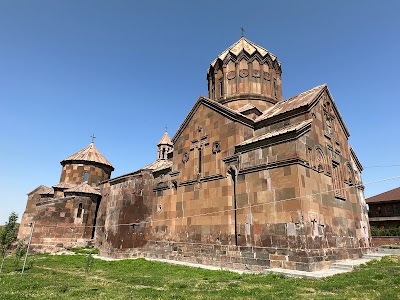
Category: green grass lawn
[65,277]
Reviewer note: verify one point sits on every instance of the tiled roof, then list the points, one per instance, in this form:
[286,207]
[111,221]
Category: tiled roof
[90,153]
[64,185]
[83,188]
[47,191]
[391,195]
[277,132]
[248,46]
[159,164]
[165,140]
[292,103]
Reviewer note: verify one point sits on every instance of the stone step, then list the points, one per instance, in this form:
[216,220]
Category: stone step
[374,255]
[341,266]
[388,250]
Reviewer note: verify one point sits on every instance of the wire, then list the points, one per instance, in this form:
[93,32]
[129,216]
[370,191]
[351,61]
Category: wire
[388,166]
[220,211]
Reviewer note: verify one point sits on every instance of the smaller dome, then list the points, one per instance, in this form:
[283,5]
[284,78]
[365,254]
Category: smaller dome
[165,140]
[89,154]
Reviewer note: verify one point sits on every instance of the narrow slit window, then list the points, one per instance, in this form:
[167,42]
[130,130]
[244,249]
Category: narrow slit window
[85,177]
[200,160]
[79,213]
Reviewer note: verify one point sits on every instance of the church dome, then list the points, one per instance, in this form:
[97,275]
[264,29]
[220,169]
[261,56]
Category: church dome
[245,73]
[85,166]
[88,154]
[165,146]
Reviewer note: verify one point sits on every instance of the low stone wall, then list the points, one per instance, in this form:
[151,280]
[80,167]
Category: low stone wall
[385,240]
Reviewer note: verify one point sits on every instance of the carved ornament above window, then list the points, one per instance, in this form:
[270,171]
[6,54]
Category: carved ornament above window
[256,73]
[244,73]
[216,147]
[231,75]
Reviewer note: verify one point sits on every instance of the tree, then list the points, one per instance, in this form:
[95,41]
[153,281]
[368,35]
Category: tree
[7,236]
[19,253]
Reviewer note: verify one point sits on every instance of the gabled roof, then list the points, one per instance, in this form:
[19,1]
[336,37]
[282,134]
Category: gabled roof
[165,140]
[302,99]
[64,185]
[91,154]
[47,191]
[244,44]
[43,187]
[83,188]
[280,131]
[214,105]
[159,164]
[392,195]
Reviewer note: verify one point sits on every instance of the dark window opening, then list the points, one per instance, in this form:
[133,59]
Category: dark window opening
[200,160]
[79,213]
[221,88]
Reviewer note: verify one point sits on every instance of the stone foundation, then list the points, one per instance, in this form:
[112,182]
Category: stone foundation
[240,257]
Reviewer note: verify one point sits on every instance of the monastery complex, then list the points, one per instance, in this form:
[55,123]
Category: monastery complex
[249,180]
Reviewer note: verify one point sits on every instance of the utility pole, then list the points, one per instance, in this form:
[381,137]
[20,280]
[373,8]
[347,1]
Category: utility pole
[29,243]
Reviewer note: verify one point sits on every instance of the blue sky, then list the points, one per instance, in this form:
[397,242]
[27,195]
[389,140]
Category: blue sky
[124,70]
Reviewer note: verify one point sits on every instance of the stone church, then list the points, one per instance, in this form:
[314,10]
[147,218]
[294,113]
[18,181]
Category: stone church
[249,180]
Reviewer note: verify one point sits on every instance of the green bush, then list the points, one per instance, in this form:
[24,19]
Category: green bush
[382,231]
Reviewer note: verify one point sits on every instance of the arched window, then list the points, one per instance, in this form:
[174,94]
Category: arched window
[319,160]
[79,213]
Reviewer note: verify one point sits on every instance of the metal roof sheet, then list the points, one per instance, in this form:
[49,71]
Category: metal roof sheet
[392,195]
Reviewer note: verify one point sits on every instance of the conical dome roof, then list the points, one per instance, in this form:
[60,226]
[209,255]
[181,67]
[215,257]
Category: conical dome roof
[165,140]
[244,44]
[90,154]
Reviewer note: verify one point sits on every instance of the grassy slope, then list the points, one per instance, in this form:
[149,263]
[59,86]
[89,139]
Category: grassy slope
[64,277]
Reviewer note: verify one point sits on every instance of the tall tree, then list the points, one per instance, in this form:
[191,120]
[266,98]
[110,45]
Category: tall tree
[7,236]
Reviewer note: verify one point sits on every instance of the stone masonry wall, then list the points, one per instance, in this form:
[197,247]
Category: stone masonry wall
[124,215]
[59,223]
[73,173]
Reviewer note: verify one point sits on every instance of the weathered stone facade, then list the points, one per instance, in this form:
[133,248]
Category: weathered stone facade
[248,180]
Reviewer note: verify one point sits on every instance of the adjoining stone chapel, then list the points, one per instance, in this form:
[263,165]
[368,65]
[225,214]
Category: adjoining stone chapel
[249,180]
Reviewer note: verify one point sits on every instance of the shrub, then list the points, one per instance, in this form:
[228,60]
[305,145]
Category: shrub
[382,231]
